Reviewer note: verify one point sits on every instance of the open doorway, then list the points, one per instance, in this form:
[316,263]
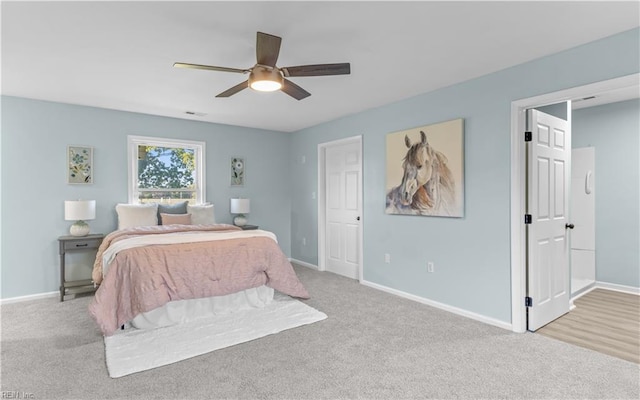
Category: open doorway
[518,178]
[581,189]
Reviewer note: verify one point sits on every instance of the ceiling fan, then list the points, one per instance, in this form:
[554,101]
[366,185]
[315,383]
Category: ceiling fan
[266,77]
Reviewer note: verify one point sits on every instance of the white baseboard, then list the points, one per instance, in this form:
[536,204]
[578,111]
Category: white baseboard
[445,307]
[577,296]
[618,288]
[582,292]
[304,264]
[30,297]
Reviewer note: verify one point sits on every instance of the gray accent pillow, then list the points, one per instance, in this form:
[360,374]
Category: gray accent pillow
[178,208]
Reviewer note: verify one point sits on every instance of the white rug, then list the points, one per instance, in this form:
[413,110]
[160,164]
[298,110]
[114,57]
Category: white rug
[133,350]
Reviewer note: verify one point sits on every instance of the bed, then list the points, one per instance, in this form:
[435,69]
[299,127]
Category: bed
[152,275]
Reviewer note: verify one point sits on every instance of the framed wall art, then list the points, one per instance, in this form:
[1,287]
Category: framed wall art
[425,170]
[237,171]
[79,165]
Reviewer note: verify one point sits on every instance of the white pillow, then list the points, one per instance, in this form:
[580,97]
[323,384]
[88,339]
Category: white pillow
[202,214]
[134,215]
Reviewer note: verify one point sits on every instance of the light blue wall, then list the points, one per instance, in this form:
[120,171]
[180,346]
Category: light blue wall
[471,254]
[614,131]
[35,135]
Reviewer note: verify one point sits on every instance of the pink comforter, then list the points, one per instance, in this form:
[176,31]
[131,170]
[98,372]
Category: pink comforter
[144,278]
[122,234]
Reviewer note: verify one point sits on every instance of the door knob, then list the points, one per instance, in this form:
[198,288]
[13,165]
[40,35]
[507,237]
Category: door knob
[358,218]
[569,226]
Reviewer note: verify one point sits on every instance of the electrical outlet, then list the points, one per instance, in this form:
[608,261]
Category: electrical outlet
[304,241]
[303,159]
[430,266]
[387,258]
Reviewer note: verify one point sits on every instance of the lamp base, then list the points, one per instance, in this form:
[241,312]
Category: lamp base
[240,220]
[80,228]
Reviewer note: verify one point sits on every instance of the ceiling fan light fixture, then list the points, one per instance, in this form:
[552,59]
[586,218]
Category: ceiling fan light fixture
[265,76]
[265,80]
[266,86]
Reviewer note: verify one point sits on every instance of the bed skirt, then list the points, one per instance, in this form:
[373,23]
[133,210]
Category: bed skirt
[181,311]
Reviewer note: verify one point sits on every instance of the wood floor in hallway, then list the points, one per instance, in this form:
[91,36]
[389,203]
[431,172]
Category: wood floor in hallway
[606,321]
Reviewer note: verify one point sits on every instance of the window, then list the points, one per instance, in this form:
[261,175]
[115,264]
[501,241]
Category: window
[165,170]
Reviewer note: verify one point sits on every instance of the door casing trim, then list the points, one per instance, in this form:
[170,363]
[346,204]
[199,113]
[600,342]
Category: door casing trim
[518,181]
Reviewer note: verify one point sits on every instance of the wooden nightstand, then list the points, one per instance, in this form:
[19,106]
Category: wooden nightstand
[72,244]
[249,227]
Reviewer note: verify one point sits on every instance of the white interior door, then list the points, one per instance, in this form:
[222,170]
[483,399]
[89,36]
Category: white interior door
[343,187]
[548,178]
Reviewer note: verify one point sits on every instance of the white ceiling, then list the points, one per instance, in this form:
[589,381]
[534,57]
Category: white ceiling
[119,55]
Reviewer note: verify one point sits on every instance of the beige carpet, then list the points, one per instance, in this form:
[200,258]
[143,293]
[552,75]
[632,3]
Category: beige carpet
[373,346]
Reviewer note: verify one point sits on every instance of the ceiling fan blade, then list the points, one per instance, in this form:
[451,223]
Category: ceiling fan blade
[235,89]
[209,67]
[317,70]
[294,90]
[267,49]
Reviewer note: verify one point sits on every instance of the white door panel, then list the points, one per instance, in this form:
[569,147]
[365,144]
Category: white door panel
[333,232]
[548,270]
[559,276]
[352,247]
[343,187]
[351,190]
[560,183]
[544,195]
[333,191]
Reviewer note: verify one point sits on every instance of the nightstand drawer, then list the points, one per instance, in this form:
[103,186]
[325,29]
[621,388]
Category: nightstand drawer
[82,244]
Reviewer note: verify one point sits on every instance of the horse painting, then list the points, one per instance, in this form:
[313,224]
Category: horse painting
[428,186]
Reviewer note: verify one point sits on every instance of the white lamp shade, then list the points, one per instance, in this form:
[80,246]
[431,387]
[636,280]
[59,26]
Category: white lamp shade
[79,210]
[240,206]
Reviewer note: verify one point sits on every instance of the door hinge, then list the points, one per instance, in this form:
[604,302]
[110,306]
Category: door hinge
[528,302]
[527,218]
[528,136]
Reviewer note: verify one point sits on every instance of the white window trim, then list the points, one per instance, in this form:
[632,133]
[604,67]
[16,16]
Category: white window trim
[132,149]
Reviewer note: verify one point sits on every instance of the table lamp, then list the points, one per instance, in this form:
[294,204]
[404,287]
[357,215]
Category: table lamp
[79,211]
[240,207]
